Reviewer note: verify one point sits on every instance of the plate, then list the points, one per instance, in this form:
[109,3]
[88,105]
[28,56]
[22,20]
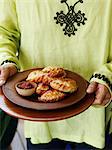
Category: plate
[32,101]
[45,115]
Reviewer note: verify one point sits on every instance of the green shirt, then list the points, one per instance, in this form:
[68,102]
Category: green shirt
[30,37]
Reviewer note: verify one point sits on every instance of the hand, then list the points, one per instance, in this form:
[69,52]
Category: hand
[6,71]
[102,94]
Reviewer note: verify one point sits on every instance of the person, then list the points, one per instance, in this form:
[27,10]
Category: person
[73,34]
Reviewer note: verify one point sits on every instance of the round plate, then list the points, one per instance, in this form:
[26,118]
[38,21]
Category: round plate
[44,115]
[32,101]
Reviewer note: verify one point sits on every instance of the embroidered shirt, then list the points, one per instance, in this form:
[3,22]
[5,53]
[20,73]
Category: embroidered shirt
[30,37]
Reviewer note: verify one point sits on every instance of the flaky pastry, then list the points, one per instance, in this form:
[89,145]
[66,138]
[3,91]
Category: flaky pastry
[52,96]
[39,76]
[64,85]
[42,88]
[54,71]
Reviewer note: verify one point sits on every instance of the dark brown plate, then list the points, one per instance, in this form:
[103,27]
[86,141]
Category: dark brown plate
[44,115]
[32,101]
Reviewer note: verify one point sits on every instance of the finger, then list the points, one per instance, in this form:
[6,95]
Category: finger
[12,70]
[106,99]
[92,87]
[99,101]
[2,81]
[4,74]
[100,94]
[108,96]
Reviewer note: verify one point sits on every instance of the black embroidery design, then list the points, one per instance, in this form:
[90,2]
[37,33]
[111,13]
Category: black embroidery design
[9,61]
[102,77]
[70,19]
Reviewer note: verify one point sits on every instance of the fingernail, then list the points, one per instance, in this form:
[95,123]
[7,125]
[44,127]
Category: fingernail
[2,82]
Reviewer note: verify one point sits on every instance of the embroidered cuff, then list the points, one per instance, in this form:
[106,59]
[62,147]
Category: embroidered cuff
[9,61]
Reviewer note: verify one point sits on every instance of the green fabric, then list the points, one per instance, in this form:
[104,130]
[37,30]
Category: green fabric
[9,35]
[31,24]
[4,121]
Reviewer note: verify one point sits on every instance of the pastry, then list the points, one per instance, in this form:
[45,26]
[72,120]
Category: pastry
[52,96]
[39,77]
[54,71]
[42,88]
[64,85]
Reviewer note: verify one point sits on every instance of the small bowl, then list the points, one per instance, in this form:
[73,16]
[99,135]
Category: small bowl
[25,88]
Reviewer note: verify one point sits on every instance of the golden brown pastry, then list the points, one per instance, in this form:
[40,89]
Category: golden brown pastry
[64,85]
[54,71]
[42,88]
[35,76]
[52,96]
[39,76]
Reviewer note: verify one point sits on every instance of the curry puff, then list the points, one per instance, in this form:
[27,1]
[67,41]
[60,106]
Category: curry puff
[54,71]
[64,85]
[52,96]
[39,76]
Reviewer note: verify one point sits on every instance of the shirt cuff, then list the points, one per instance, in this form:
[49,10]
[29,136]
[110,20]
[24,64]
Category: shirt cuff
[6,62]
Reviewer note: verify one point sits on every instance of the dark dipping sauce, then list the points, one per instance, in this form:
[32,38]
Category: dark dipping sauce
[25,85]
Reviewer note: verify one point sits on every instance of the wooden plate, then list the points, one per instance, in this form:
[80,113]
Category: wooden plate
[32,101]
[44,115]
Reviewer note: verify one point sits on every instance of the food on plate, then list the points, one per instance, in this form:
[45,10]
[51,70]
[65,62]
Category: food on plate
[64,85]
[54,71]
[51,84]
[25,88]
[52,96]
[35,76]
[39,76]
[42,88]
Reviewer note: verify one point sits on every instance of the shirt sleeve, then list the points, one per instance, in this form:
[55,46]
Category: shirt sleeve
[104,74]
[9,32]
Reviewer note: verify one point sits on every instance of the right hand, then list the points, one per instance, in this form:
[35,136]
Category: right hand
[6,71]
[102,94]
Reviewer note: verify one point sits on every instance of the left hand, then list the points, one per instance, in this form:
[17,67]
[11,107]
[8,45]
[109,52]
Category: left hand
[6,71]
[102,94]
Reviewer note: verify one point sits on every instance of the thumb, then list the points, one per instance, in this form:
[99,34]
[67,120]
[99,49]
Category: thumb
[4,74]
[92,87]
